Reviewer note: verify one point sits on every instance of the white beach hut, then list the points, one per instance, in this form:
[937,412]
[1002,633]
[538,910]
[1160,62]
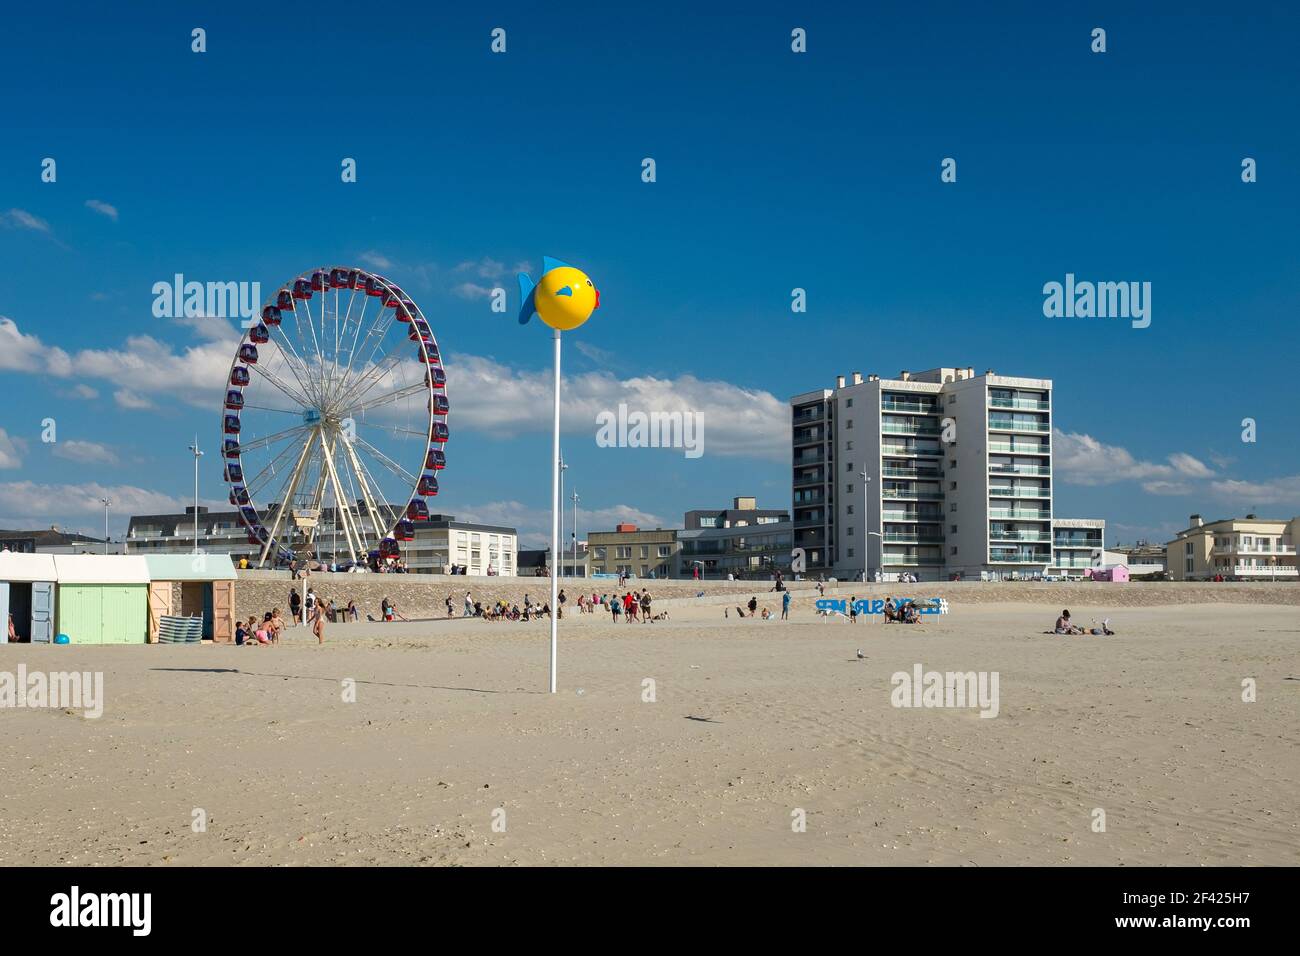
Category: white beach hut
[27,592]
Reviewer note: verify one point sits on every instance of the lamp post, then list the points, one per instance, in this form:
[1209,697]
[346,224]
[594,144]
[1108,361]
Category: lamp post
[107,502]
[866,557]
[194,449]
[559,540]
[575,532]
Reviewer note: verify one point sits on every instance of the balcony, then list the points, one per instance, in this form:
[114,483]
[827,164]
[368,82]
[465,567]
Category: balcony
[911,473]
[905,451]
[920,408]
[1021,513]
[1016,448]
[1266,571]
[1004,492]
[907,428]
[1010,425]
[1027,537]
[1019,469]
[814,437]
[1076,543]
[1019,557]
[912,516]
[911,494]
[902,537]
[817,522]
[808,416]
[1020,404]
[805,459]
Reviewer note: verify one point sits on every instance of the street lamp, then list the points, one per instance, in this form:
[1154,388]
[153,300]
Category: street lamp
[107,502]
[194,449]
[866,557]
[575,532]
[559,541]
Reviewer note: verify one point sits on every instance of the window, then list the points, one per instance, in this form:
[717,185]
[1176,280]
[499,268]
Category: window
[623,553]
[665,550]
[850,554]
[954,549]
[952,399]
[953,486]
[848,403]
[850,487]
[848,466]
[1189,549]
[953,506]
[954,528]
[952,463]
[850,509]
[645,551]
[848,423]
[849,531]
[599,554]
[848,446]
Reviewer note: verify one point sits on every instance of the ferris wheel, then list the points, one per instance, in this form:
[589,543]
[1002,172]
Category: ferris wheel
[335,407]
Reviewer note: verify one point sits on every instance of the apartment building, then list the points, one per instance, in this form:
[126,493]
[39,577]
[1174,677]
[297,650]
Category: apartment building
[744,541]
[1078,544]
[630,550]
[438,543]
[1239,549]
[941,473]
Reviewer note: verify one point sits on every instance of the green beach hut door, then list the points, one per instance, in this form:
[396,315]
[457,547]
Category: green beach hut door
[42,612]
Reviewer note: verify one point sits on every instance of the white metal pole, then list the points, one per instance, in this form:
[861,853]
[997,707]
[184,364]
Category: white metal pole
[555,514]
[563,469]
[575,533]
[197,455]
[107,502]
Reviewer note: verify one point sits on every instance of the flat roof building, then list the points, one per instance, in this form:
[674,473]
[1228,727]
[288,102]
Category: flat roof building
[1238,549]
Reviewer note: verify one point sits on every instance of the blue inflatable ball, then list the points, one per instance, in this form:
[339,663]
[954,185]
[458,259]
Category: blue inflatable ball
[62,639]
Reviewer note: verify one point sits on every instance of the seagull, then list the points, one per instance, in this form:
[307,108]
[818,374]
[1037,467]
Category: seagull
[861,656]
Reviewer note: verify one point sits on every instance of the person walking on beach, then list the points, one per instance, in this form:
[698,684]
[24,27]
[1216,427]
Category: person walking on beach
[295,607]
[853,609]
[645,606]
[451,611]
[753,606]
[318,621]
[469,606]
[785,606]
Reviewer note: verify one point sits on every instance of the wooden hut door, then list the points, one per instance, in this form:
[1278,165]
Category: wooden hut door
[42,612]
[223,612]
[160,603]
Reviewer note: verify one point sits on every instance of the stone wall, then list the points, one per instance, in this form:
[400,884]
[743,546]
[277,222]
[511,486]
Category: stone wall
[422,595]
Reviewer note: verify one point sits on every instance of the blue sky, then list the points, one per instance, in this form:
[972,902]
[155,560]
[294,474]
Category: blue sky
[774,171]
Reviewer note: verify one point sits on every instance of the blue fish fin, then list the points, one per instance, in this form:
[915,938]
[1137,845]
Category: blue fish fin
[526,290]
[548,264]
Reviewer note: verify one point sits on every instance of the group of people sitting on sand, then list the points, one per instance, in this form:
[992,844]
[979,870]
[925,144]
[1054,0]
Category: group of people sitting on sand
[1065,626]
[267,631]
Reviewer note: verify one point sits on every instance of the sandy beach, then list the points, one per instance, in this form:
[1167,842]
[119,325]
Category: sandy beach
[754,726]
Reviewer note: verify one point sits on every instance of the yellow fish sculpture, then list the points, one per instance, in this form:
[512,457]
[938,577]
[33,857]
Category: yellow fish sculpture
[564,297]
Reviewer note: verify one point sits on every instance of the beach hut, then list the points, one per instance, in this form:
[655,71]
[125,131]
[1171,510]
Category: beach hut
[27,592]
[193,585]
[101,599]
[1113,573]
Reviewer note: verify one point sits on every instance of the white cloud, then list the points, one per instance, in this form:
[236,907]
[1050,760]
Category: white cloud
[1163,488]
[534,524]
[1270,491]
[27,353]
[131,400]
[85,391]
[376,260]
[103,208]
[85,452]
[506,402]
[1083,460]
[10,450]
[472,290]
[22,219]
[28,502]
